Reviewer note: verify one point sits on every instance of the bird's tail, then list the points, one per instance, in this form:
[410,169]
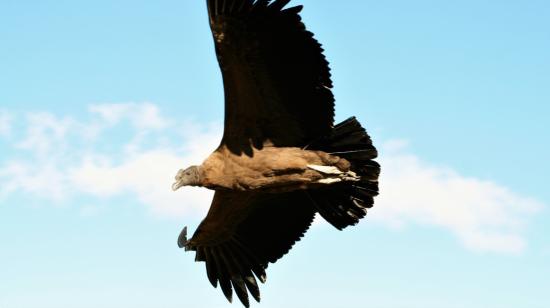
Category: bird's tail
[344,204]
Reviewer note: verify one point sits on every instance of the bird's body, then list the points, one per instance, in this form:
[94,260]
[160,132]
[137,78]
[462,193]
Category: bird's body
[271,169]
[281,160]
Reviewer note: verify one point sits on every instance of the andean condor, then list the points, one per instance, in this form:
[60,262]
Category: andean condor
[281,159]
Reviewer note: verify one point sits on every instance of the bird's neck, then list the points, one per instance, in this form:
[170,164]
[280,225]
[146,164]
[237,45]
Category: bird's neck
[198,177]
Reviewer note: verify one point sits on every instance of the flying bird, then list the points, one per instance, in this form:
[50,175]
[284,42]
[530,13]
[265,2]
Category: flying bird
[281,159]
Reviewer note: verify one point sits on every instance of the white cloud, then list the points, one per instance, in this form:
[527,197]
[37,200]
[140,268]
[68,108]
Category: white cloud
[5,123]
[45,181]
[149,175]
[483,215]
[142,116]
[60,158]
[46,134]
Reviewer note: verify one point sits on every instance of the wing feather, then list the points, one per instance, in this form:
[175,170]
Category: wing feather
[211,268]
[223,275]
[276,79]
[244,232]
[235,277]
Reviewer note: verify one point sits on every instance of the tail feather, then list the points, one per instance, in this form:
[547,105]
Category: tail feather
[344,204]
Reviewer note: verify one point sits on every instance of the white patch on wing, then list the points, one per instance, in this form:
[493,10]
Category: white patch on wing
[329,181]
[325,169]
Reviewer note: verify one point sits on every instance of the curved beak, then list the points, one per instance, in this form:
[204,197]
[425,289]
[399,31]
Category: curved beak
[177,185]
[180,181]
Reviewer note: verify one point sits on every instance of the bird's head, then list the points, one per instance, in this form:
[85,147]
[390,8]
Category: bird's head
[188,177]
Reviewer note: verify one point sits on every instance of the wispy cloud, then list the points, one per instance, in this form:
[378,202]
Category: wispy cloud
[142,115]
[5,123]
[132,149]
[118,149]
[148,174]
[46,134]
[482,214]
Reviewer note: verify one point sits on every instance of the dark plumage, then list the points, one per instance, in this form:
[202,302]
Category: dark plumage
[272,68]
[281,159]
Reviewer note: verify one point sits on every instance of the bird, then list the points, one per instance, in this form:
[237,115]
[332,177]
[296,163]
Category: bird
[281,160]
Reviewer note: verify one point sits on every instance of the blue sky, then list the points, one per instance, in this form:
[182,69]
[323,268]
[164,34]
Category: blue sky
[101,102]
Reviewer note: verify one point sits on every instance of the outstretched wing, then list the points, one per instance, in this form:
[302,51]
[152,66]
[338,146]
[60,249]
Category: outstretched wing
[244,232]
[276,78]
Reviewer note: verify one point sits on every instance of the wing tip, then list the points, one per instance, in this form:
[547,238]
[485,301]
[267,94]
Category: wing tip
[278,5]
[182,239]
[294,9]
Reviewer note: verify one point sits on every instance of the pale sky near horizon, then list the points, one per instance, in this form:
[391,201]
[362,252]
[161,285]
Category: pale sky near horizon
[101,102]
